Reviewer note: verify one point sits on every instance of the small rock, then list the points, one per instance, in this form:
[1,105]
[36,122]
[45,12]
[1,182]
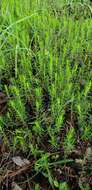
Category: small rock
[20,162]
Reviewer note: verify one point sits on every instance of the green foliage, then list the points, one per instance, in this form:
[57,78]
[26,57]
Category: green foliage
[61,186]
[45,69]
[69,140]
[37,187]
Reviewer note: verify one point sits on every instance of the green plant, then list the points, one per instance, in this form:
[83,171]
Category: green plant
[45,72]
[37,187]
[69,140]
[61,185]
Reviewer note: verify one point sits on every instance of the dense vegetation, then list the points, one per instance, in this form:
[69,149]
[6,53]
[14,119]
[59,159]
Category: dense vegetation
[46,92]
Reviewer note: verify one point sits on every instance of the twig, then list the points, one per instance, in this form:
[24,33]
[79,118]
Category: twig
[16,173]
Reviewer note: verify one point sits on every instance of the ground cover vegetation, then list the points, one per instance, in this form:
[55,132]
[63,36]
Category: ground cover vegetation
[46,94]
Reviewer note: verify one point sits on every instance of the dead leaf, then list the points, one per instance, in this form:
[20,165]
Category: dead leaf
[26,161]
[20,162]
[15,186]
[88,154]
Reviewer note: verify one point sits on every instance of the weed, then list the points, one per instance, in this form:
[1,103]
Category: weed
[46,80]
